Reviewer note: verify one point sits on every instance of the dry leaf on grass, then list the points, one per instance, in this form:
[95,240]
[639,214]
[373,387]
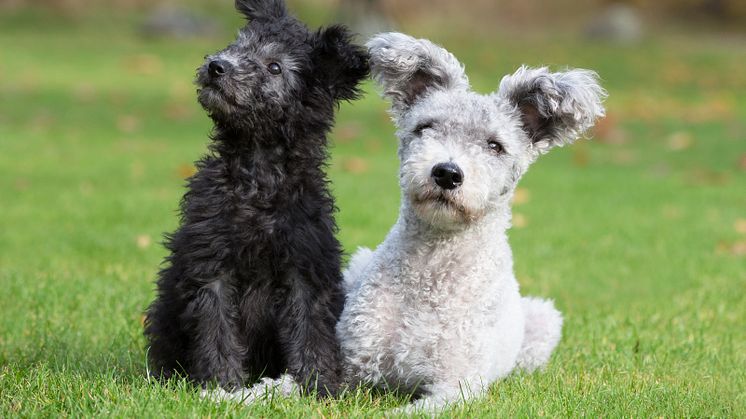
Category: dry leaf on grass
[137,170]
[180,91]
[737,248]
[706,176]
[373,145]
[679,140]
[355,165]
[519,220]
[624,157]
[347,132]
[608,131]
[144,64]
[128,123]
[580,156]
[42,120]
[84,92]
[671,212]
[676,73]
[521,196]
[86,188]
[186,170]
[178,111]
[21,184]
[740,226]
[143,241]
[742,162]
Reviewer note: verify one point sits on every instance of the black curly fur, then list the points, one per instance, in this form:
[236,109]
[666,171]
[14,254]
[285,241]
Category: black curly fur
[252,286]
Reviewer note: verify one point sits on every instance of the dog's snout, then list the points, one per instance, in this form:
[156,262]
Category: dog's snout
[217,68]
[447,175]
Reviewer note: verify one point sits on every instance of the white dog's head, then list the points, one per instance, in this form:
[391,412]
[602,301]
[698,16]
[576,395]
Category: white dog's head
[462,153]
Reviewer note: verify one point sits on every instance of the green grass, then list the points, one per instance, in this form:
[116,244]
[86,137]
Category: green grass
[637,235]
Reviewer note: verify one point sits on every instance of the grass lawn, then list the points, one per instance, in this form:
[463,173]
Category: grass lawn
[639,235]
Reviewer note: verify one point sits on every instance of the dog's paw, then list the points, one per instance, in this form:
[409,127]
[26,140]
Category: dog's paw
[265,390]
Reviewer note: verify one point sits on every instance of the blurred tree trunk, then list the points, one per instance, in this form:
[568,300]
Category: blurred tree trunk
[366,17]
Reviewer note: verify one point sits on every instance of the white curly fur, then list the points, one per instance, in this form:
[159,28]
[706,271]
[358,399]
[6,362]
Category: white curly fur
[435,309]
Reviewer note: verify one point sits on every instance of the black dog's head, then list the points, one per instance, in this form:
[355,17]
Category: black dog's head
[277,68]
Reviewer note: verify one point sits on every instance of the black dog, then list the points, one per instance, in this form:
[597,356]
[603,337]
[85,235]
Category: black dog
[253,286]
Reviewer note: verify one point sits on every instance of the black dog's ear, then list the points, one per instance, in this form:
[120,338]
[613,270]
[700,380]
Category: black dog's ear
[339,64]
[261,9]
[555,108]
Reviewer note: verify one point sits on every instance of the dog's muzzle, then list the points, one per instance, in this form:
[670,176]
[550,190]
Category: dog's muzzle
[217,68]
[447,175]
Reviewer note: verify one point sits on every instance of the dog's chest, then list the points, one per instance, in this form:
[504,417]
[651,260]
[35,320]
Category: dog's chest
[440,303]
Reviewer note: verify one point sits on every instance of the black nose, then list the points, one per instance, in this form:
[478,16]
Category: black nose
[217,68]
[447,175]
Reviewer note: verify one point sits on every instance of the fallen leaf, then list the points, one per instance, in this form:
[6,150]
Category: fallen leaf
[178,111]
[137,170]
[143,241]
[624,157]
[180,91]
[22,184]
[706,176]
[355,165]
[86,188]
[676,73]
[740,226]
[144,64]
[42,121]
[607,130]
[186,170]
[373,145]
[679,141]
[521,196]
[715,108]
[128,124]
[580,156]
[742,162]
[737,248]
[660,169]
[347,132]
[671,212]
[84,92]
[519,220]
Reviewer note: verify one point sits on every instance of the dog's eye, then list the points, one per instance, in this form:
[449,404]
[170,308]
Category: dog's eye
[495,147]
[274,68]
[423,126]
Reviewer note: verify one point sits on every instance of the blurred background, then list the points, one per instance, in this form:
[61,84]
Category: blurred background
[639,234]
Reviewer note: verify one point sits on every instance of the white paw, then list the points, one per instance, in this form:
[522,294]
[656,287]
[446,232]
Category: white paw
[265,390]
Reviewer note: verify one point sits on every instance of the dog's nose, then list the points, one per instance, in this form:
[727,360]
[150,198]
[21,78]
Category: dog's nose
[447,175]
[217,68]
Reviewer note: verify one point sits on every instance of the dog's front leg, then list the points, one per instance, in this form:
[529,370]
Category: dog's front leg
[217,352]
[306,331]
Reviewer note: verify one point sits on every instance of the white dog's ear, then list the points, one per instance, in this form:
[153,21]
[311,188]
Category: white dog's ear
[556,108]
[409,69]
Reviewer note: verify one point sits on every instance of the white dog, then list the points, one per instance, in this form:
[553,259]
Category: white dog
[435,309]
